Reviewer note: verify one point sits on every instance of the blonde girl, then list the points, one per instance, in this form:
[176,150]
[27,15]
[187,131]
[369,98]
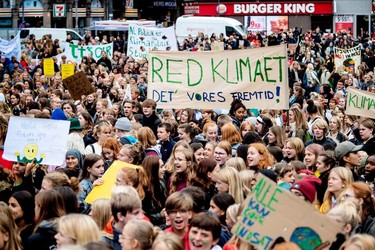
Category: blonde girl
[101,212]
[8,230]
[228,180]
[138,235]
[102,132]
[210,131]
[180,145]
[71,234]
[338,179]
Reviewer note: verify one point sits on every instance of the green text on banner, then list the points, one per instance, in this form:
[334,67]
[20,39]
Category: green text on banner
[199,80]
[360,102]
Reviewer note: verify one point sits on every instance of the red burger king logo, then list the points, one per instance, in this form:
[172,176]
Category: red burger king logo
[221,9]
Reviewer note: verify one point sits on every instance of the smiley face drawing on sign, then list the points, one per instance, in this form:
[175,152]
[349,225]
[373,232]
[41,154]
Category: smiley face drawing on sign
[30,151]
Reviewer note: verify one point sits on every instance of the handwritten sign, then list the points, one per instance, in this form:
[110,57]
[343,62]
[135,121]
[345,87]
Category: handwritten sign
[109,177]
[211,80]
[78,85]
[360,102]
[75,53]
[143,39]
[274,212]
[39,140]
[67,70]
[48,67]
[350,58]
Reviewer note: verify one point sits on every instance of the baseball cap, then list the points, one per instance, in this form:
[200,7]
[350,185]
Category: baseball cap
[345,148]
[123,124]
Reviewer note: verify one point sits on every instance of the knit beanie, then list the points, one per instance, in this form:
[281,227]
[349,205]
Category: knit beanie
[307,186]
[58,114]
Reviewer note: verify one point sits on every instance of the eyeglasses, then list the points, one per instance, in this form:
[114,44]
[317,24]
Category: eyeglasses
[174,212]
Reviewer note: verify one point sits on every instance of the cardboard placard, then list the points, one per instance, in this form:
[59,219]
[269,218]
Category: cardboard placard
[48,67]
[41,140]
[67,70]
[109,178]
[78,85]
[360,102]
[272,212]
[350,58]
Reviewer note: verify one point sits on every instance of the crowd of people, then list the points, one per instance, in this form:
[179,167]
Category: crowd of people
[193,169]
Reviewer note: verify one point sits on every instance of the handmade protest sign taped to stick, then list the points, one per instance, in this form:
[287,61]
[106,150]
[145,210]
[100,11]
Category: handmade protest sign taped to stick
[39,140]
[350,58]
[359,102]
[78,85]
[212,80]
[272,212]
[142,39]
[48,67]
[109,180]
[67,70]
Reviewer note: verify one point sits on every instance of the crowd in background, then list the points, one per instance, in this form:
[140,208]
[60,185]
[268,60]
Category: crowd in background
[193,168]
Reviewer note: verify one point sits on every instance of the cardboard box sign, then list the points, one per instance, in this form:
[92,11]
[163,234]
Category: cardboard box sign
[272,212]
[78,85]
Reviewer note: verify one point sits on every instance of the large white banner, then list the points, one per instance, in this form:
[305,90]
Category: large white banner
[257,77]
[141,40]
[11,48]
[75,53]
[39,140]
[350,58]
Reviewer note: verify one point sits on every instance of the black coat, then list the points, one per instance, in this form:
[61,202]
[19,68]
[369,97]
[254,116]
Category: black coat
[44,237]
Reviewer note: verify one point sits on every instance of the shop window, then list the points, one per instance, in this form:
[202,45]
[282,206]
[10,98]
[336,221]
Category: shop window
[96,4]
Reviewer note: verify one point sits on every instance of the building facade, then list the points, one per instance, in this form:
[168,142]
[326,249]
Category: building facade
[81,13]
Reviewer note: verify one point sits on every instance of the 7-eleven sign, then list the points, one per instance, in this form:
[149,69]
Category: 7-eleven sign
[59,10]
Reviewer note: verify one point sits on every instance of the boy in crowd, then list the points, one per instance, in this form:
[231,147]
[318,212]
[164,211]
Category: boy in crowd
[124,207]
[164,136]
[179,211]
[150,119]
[204,234]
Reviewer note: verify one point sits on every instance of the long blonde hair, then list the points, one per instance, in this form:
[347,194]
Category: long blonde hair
[231,177]
[87,231]
[346,177]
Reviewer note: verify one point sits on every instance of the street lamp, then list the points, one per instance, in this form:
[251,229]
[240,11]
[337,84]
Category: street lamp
[23,14]
[77,15]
